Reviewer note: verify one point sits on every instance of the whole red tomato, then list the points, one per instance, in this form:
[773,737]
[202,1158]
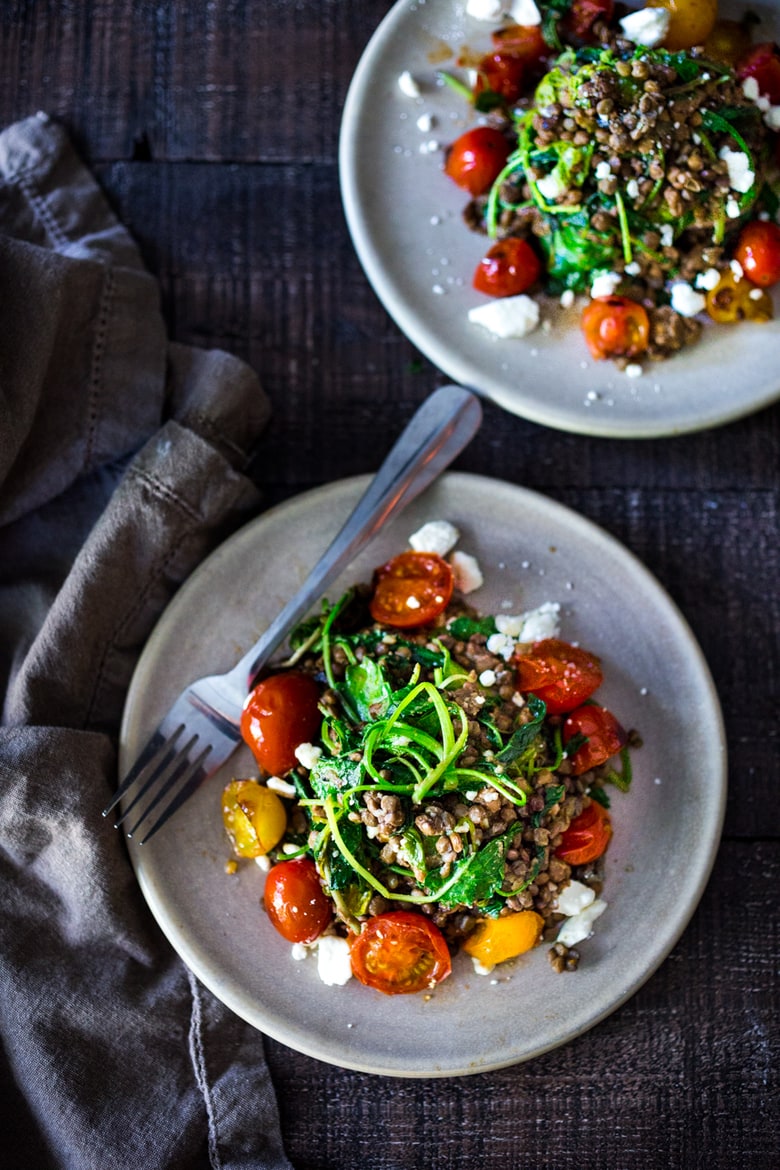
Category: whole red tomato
[400,952]
[476,159]
[411,590]
[587,836]
[603,737]
[295,901]
[615,327]
[279,714]
[509,268]
[758,251]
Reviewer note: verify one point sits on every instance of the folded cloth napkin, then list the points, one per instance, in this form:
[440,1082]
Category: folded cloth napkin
[122,463]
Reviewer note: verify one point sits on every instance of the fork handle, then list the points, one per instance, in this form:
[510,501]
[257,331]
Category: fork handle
[439,430]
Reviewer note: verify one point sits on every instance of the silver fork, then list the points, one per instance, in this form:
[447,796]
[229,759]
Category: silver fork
[202,728]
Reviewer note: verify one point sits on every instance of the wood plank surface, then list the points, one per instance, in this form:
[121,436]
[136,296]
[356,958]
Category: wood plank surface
[214,129]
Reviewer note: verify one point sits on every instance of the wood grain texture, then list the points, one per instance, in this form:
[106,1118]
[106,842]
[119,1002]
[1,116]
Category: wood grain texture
[213,129]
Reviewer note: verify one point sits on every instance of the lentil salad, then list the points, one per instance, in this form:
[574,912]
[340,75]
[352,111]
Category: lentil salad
[641,176]
[454,795]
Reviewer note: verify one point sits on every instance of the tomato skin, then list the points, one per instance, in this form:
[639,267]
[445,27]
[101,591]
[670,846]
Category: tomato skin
[728,42]
[735,300]
[502,73]
[561,675]
[524,41]
[509,268]
[400,953]
[763,63]
[691,22]
[255,818]
[577,24]
[475,160]
[604,734]
[295,901]
[758,251]
[587,836]
[280,713]
[495,940]
[424,579]
[615,327]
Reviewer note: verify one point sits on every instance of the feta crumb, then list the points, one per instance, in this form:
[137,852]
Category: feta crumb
[708,280]
[485,9]
[524,12]
[437,536]
[408,85]
[487,678]
[299,951]
[425,123]
[736,269]
[648,26]
[551,186]
[507,316]
[308,754]
[567,298]
[580,925]
[632,189]
[468,575]
[750,89]
[481,969]
[667,235]
[412,602]
[604,284]
[283,787]
[333,965]
[532,626]
[575,897]
[756,294]
[634,268]
[633,370]
[603,170]
[732,209]
[685,300]
[501,645]
[772,117]
[263,862]
[741,177]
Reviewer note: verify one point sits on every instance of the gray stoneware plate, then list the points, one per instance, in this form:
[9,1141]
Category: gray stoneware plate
[666,830]
[404,216]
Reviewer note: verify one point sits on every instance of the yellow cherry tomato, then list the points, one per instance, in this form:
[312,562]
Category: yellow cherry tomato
[494,940]
[728,42]
[691,22]
[735,300]
[255,818]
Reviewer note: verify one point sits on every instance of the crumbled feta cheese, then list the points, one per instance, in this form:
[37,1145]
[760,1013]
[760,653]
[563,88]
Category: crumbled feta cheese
[708,280]
[732,209]
[632,189]
[750,89]
[533,626]
[487,678]
[425,123]
[501,645]
[648,26]
[408,85]
[575,897]
[412,602]
[308,754]
[333,964]
[283,787]
[686,300]
[633,370]
[603,170]
[524,12]
[263,862]
[756,294]
[507,316]
[551,186]
[737,270]
[634,268]
[485,9]
[772,117]
[468,575]
[580,926]
[667,235]
[437,536]
[741,177]
[299,951]
[567,298]
[604,284]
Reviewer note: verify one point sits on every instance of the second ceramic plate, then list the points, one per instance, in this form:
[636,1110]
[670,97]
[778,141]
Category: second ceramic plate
[405,218]
[666,829]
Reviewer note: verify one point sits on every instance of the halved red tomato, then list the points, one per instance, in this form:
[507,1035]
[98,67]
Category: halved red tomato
[604,737]
[280,713]
[615,327]
[411,590]
[758,251]
[295,901]
[587,836]
[563,676]
[400,952]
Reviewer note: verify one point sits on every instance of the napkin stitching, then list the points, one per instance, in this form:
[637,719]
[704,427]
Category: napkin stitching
[162,489]
[96,370]
[198,1056]
[42,210]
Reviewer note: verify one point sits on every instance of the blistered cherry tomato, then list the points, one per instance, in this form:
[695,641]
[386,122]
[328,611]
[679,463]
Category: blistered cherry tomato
[734,300]
[587,836]
[501,73]
[280,713]
[615,327]
[563,676]
[763,63]
[758,251]
[691,21]
[494,940]
[577,24]
[411,590]
[400,952]
[728,42]
[295,901]
[254,817]
[522,40]
[510,267]
[604,737]
[475,160]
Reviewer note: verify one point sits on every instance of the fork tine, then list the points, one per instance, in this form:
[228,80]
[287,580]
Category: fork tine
[157,744]
[164,777]
[192,778]
[167,757]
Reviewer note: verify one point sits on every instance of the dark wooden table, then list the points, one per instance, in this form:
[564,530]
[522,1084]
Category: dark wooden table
[213,128]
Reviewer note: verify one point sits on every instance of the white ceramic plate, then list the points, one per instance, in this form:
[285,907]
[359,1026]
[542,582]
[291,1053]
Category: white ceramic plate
[666,830]
[404,216]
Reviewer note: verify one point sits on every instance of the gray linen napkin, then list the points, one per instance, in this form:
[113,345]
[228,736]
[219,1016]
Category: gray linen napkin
[121,466]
